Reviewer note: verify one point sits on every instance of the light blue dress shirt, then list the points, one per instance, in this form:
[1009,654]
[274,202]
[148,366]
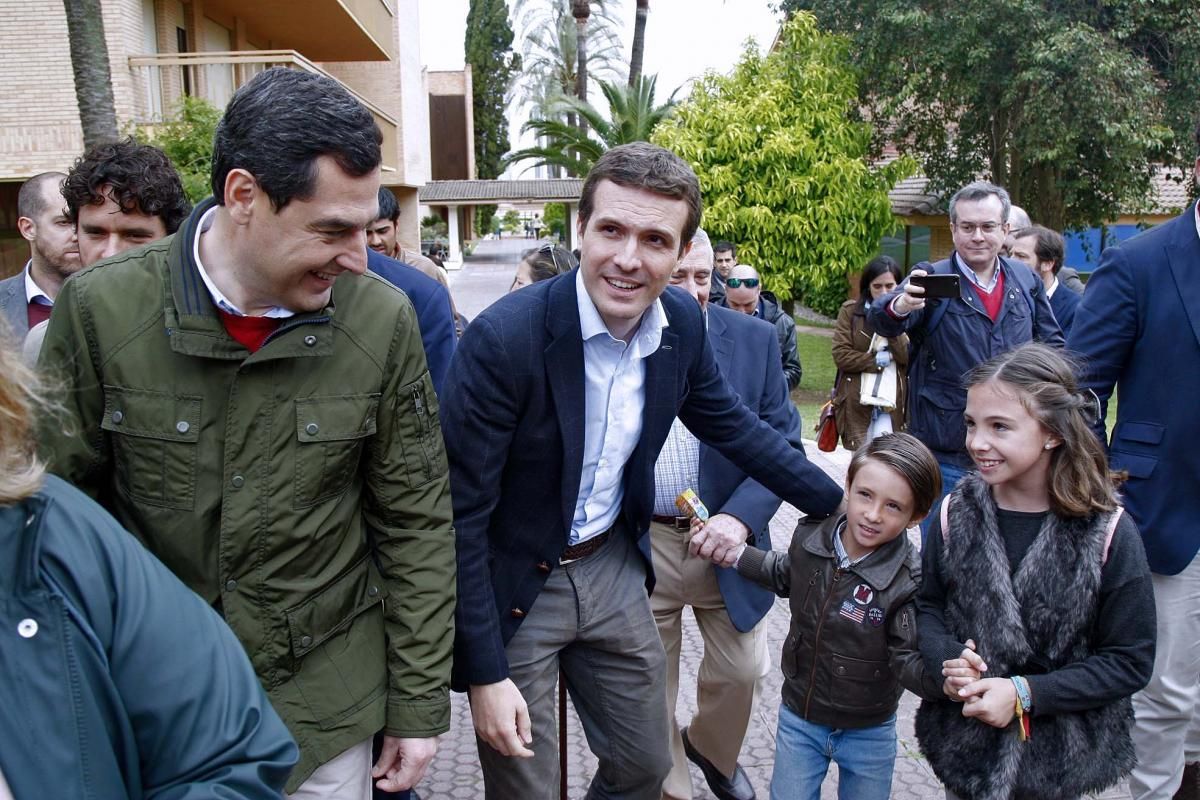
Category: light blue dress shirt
[614,396]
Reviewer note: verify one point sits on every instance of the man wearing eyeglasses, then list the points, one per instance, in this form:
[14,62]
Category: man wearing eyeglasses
[1001,305]
[559,398]
[744,293]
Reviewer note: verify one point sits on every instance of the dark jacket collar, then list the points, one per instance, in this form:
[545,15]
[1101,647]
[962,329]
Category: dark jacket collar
[879,569]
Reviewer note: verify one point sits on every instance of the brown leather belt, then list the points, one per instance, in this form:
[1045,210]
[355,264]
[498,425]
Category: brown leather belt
[584,548]
[677,523]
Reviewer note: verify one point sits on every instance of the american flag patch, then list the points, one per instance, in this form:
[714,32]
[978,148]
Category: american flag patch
[852,611]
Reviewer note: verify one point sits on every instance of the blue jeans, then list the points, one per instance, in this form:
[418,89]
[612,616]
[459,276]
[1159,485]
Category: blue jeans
[951,475]
[865,757]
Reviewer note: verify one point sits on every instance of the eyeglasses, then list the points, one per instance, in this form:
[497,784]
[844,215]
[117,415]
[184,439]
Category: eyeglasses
[553,251]
[969,228]
[737,283]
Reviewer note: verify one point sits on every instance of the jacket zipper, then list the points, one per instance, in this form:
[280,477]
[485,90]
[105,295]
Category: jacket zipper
[837,574]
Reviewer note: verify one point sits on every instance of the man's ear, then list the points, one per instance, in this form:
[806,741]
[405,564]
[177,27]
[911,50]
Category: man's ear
[242,195]
[27,227]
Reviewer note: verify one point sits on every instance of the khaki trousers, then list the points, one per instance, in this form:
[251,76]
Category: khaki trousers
[346,777]
[729,680]
[1165,732]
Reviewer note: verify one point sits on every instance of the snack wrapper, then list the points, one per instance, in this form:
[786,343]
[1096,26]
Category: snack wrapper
[690,505]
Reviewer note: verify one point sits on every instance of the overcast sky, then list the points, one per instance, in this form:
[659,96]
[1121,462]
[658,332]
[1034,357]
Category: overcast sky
[683,37]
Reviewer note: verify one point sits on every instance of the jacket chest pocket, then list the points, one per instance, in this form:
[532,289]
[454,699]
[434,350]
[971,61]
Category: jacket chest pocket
[860,685]
[330,433]
[155,440]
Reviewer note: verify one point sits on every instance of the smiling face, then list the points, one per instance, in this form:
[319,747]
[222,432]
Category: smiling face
[105,230]
[879,507]
[294,255]
[978,232]
[629,247]
[1010,446]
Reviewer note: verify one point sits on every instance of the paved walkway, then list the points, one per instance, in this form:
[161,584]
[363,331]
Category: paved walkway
[455,771]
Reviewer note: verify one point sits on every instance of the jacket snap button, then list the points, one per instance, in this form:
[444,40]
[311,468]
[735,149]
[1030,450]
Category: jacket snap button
[238,481]
[543,566]
[305,641]
[27,628]
[518,613]
[182,426]
[877,675]
[117,417]
[841,670]
[312,428]
[230,585]
[310,340]
[373,591]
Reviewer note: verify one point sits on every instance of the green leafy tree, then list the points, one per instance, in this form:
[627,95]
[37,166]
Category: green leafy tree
[187,139]
[1070,105]
[783,168]
[555,219]
[511,221]
[488,49]
[632,117]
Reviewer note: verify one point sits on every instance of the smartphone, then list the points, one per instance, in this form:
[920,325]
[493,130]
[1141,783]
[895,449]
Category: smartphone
[937,285]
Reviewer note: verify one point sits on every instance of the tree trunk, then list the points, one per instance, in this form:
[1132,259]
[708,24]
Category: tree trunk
[639,41]
[581,10]
[89,62]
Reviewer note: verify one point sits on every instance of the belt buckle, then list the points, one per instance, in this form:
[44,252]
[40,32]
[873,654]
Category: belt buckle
[683,524]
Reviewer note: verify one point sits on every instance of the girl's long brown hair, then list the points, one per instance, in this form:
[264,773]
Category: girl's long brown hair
[1044,379]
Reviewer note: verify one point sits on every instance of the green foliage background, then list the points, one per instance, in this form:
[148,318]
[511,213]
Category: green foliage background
[784,168]
[488,49]
[187,139]
[1069,104]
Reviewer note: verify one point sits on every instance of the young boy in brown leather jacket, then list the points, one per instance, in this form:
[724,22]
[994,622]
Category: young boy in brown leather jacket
[852,646]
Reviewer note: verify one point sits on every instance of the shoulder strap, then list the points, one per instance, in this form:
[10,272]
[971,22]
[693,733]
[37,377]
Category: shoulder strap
[1108,533]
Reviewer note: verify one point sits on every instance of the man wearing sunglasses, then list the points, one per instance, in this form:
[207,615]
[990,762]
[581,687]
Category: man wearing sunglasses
[559,398]
[744,293]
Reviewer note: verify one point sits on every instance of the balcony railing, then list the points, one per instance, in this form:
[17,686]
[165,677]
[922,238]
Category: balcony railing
[162,79]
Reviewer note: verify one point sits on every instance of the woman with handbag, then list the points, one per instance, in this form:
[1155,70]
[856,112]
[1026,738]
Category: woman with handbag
[872,384]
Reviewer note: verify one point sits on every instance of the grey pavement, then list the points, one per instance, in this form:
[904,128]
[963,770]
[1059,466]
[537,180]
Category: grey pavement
[455,771]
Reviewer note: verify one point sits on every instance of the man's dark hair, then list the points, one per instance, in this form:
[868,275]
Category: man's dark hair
[281,122]
[725,247]
[30,200]
[389,209]
[981,190]
[139,177]
[1049,245]
[642,165]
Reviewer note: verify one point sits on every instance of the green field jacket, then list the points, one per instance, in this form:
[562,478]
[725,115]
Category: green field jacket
[302,489]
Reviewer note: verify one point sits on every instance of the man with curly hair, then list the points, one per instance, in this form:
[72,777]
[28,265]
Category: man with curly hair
[122,195]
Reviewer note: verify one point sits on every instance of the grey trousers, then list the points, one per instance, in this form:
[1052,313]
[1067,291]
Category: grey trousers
[593,619]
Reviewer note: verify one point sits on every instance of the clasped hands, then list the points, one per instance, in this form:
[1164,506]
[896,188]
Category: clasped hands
[720,540]
[990,700]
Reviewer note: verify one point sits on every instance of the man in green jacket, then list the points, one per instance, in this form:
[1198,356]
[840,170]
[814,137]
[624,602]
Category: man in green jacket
[256,408]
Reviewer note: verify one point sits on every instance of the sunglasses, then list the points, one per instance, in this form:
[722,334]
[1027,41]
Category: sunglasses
[737,283]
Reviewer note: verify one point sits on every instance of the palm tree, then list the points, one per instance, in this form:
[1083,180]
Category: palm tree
[632,117]
[550,54]
[581,10]
[639,40]
[89,63]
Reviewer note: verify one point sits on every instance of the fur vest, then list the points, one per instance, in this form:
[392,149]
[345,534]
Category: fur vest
[1028,622]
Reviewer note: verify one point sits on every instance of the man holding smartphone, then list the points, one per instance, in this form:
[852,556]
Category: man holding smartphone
[999,305]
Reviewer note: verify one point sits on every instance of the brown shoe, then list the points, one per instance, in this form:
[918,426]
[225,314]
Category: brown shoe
[1190,788]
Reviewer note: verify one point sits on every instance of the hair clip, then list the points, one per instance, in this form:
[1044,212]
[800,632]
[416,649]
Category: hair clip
[1090,406]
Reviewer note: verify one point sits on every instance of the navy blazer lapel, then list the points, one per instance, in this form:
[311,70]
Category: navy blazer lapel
[565,375]
[1183,257]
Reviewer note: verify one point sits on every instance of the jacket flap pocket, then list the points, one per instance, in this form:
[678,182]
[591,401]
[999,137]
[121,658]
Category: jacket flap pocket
[943,395]
[334,607]
[855,669]
[153,415]
[1144,432]
[337,418]
[1137,466]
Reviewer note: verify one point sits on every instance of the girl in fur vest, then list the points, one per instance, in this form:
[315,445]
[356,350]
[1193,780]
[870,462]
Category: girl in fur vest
[1032,563]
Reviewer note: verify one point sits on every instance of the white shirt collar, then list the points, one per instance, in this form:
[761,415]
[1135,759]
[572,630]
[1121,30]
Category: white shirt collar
[218,297]
[649,333]
[33,292]
[1197,207]
[1053,288]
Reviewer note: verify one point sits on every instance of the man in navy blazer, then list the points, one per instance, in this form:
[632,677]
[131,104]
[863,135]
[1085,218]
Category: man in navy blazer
[559,397]
[1043,250]
[727,606]
[1138,328]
